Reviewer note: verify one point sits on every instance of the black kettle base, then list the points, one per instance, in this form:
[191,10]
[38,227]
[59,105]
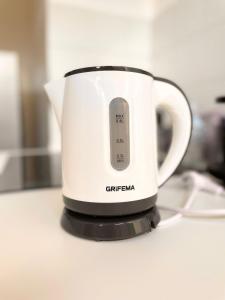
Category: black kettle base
[109,228]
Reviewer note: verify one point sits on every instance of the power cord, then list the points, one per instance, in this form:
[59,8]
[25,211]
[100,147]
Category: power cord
[197,182]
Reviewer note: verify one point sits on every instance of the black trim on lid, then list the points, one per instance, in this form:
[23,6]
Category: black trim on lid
[108,68]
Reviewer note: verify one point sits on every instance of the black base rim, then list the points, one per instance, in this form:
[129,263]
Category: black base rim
[109,228]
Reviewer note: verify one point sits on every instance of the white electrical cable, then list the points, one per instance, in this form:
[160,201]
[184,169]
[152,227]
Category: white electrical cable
[198,183]
[179,214]
[200,213]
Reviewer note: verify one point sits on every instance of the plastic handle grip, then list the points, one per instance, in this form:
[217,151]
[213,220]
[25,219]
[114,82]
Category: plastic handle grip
[169,97]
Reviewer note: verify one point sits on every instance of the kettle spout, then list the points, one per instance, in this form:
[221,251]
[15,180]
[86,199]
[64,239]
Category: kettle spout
[55,92]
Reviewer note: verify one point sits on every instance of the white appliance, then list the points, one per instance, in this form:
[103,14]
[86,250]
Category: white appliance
[107,117]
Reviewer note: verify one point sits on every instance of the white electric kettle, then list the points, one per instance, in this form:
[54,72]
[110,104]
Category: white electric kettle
[107,117]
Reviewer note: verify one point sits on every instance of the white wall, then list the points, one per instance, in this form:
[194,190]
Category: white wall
[81,37]
[189,48]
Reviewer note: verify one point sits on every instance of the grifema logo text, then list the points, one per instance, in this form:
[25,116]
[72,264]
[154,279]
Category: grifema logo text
[119,188]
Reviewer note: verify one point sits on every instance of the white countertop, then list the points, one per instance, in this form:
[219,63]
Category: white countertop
[39,261]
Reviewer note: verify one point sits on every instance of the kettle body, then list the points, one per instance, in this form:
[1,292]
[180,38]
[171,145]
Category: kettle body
[107,117]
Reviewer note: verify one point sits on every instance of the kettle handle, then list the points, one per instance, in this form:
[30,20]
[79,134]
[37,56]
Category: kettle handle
[169,97]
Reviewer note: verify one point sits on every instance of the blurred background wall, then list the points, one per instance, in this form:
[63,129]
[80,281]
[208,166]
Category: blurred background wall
[22,30]
[87,33]
[23,114]
[189,47]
